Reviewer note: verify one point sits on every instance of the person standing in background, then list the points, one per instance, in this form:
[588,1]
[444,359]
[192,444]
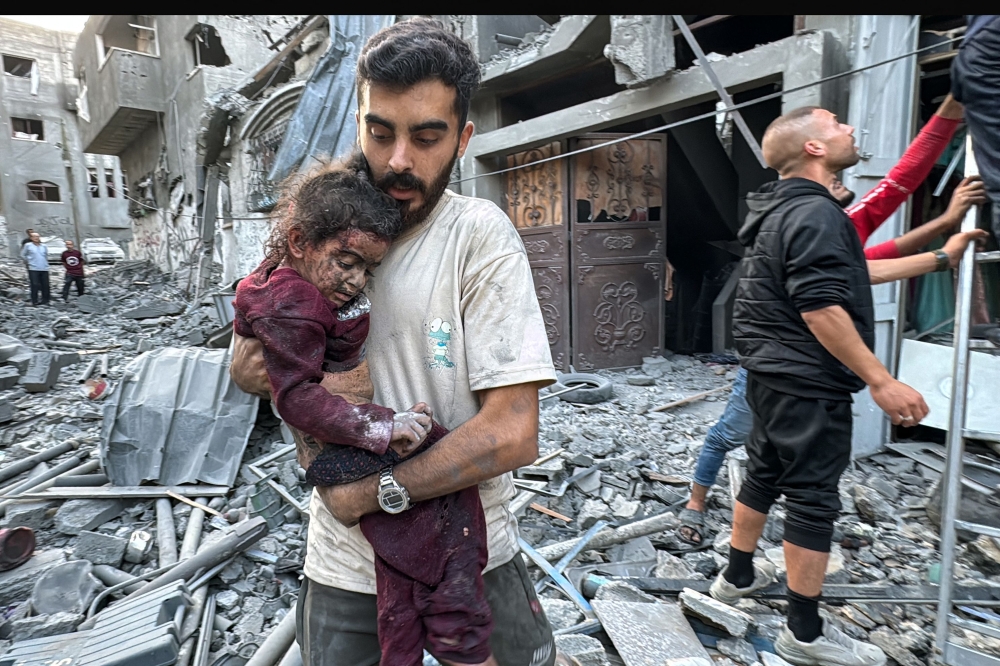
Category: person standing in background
[34,254]
[73,262]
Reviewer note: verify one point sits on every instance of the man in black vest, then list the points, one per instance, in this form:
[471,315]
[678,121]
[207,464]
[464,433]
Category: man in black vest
[804,327]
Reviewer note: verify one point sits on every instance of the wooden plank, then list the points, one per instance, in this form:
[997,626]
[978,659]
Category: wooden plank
[126,492]
[651,634]
[549,512]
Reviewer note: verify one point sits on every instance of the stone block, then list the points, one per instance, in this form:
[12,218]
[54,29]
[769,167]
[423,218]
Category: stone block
[6,409]
[91,304]
[9,376]
[69,587]
[11,346]
[16,585]
[561,614]
[641,380]
[891,644]
[585,650]
[41,626]
[592,511]
[716,613]
[623,508]
[618,590]
[739,650]
[20,361]
[871,506]
[76,516]
[99,548]
[42,372]
[65,358]
[35,515]
[671,566]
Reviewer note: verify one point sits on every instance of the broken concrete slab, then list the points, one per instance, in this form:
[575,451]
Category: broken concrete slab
[6,409]
[641,380]
[90,304]
[716,613]
[671,566]
[585,650]
[618,590]
[771,659]
[42,372]
[11,346]
[592,511]
[36,515]
[67,587]
[872,506]
[561,614]
[20,361]
[888,640]
[40,626]
[9,377]
[99,548]
[650,634]
[157,309]
[17,584]
[78,515]
[738,649]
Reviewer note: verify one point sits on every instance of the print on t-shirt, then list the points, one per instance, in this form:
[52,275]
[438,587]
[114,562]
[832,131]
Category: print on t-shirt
[440,335]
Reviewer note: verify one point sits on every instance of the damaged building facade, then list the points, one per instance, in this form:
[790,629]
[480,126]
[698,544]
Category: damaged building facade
[49,182]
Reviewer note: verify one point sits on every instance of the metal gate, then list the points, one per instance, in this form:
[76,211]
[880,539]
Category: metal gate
[618,254]
[601,294]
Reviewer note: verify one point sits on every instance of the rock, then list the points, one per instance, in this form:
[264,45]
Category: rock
[592,511]
[589,483]
[561,614]
[985,553]
[716,613]
[9,378]
[90,304]
[738,649]
[721,542]
[21,360]
[641,380]
[68,587]
[251,621]
[41,626]
[17,584]
[702,562]
[623,508]
[676,449]
[227,599]
[889,641]
[883,487]
[671,566]
[100,548]
[42,372]
[585,650]
[29,514]
[76,516]
[580,460]
[617,590]
[872,506]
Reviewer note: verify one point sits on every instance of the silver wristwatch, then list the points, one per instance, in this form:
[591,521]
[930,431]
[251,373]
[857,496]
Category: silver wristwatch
[392,497]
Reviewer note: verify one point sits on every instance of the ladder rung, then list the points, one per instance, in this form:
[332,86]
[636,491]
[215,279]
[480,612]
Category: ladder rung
[971,625]
[978,528]
[981,434]
[987,257]
[959,655]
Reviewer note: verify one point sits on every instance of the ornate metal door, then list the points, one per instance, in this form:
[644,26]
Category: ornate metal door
[618,232]
[536,203]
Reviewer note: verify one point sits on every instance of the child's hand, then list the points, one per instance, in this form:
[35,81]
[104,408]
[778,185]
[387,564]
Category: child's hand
[410,428]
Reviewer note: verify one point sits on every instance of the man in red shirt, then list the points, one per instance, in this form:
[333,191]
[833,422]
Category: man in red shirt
[72,261]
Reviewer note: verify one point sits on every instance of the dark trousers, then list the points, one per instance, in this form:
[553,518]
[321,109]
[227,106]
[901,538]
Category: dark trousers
[39,281]
[975,82]
[798,448]
[336,627]
[71,279]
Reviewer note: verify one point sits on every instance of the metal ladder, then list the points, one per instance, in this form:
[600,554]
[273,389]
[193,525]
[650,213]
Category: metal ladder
[949,652]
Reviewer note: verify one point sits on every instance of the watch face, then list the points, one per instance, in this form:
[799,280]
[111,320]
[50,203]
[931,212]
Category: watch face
[392,501]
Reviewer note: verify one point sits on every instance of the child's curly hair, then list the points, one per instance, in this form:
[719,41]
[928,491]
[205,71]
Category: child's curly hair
[328,199]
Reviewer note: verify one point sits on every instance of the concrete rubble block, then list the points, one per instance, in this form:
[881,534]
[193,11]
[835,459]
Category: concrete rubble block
[251,620]
[771,659]
[63,359]
[592,511]
[20,361]
[11,346]
[36,515]
[227,599]
[99,548]
[156,309]
[704,562]
[76,516]
[6,409]
[41,626]
[655,366]
[985,553]
[561,614]
[671,566]
[589,483]
[651,633]
[42,372]
[639,549]
[9,376]
[871,506]
[17,584]
[716,613]
[891,644]
[738,649]
[91,304]
[618,590]
[585,650]
[623,508]
[68,587]
[641,380]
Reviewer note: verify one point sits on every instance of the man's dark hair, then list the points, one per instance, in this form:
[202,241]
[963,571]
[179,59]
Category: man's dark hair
[327,200]
[416,50]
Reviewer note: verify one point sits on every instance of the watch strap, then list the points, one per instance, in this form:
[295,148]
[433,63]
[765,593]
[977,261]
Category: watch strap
[943,260]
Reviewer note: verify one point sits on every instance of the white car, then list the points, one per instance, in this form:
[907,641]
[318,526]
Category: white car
[54,247]
[98,250]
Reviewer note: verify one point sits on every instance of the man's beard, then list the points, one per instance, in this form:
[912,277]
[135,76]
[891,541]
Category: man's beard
[431,193]
[847,198]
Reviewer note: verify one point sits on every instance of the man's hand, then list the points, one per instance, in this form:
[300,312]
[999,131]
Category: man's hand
[410,429]
[904,405]
[955,247]
[247,368]
[970,192]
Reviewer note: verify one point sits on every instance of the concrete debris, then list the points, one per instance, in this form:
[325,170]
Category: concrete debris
[586,651]
[617,590]
[771,659]
[79,515]
[36,515]
[39,626]
[650,633]
[17,584]
[100,548]
[872,506]
[716,613]
[67,587]
[738,649]
[561,614]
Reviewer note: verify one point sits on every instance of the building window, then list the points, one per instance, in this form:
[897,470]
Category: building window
[15,66]
[109,182]
[27,128]
[207,46]
[43,190]
[93,183]
[124,184]
[128,32]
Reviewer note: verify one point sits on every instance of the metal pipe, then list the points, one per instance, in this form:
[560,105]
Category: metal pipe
[205,635]
[51,473]
[77,480]
[25,464]
[87,372]
[293,657]
[104,365]
[192,620]
[111,576]
[192,537]
[610,537]
[277,642]
[85,468]
[951,490]
[166,533]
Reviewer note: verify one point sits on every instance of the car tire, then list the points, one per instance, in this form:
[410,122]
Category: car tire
[593,390]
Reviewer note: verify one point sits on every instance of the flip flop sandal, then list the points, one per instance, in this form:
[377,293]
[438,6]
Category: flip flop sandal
[694,521]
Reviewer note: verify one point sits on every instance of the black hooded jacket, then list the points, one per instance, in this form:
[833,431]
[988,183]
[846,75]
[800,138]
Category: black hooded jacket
[804,255]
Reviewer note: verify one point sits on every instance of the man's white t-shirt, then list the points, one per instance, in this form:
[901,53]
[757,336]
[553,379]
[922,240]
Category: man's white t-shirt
[453,311]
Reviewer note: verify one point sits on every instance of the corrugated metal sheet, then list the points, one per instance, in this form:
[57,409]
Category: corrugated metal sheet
[176,417]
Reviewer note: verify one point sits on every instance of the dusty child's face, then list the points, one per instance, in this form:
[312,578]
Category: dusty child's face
[339,267]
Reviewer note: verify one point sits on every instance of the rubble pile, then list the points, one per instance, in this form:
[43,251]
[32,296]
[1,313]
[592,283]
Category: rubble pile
[613,474]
